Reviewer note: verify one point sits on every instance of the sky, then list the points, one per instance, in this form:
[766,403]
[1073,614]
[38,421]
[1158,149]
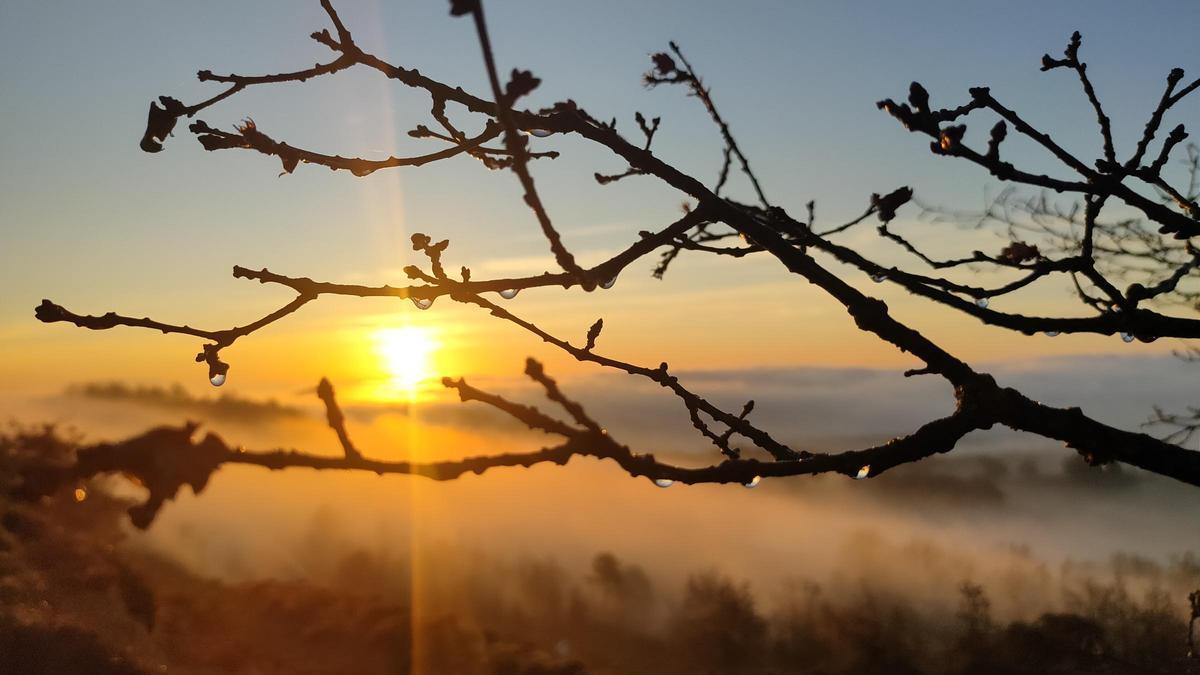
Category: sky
[90,221]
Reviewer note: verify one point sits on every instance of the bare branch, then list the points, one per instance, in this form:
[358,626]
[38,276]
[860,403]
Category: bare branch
[336,421]
[1148,256]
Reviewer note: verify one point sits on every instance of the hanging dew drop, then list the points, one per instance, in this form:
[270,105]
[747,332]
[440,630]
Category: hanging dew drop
[1051,333]
[664,482]
[217,380]
[863,472]
[540,133]
[509,293]
[752,483]
[1127,337]
[981,303]
[609,283]
[879,278]
[422,303]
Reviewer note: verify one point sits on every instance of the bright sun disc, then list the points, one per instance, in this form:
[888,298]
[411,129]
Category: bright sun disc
[406,355]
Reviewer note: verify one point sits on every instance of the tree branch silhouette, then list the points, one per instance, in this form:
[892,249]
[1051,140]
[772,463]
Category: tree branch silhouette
[165,459]
[1080,243]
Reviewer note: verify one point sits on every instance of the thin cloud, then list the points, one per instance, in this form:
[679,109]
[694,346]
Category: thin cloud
[228,406]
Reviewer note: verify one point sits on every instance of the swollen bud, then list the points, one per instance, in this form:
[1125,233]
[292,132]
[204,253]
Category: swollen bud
[887,205]
[461,7]
[918,97]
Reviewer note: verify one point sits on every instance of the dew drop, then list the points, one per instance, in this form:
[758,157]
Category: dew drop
[509,293]
[1127,337]
[1051,333]
[879,278]
[863,472]
[981,303]
[540,133]
[609,283]
[217,380]
[80,494]
[422,303]
[753,482]
[664,482]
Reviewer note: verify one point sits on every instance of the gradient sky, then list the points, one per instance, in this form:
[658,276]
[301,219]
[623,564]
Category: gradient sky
[90,221]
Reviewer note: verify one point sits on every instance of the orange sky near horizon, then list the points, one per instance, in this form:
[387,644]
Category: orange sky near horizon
[779,322]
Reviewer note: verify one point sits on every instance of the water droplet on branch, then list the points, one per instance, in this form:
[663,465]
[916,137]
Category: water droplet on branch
[879,278]
[1127,337]
[664,482]
[540,133]
[1051,333]
[422,303]
[981,303]
[863,472]
[609,283]
[217,380]
[509,293]
[753,482]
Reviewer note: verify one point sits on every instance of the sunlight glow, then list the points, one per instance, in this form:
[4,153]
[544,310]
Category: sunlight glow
[406,357]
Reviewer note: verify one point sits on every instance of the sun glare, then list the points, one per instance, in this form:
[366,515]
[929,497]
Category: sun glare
[406,356]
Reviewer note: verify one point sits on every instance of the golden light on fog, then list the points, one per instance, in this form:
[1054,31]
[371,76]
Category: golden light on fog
[406,357]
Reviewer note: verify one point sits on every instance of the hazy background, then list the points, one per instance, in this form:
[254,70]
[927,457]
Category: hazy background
[1000,489]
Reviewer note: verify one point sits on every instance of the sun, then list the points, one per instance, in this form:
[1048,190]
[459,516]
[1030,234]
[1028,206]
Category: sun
[406,356]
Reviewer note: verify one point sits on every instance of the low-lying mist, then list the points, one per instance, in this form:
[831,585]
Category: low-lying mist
[81,596]
[1006,553]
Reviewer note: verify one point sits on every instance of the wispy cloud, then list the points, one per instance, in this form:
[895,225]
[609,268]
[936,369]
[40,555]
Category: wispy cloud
[227,406]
